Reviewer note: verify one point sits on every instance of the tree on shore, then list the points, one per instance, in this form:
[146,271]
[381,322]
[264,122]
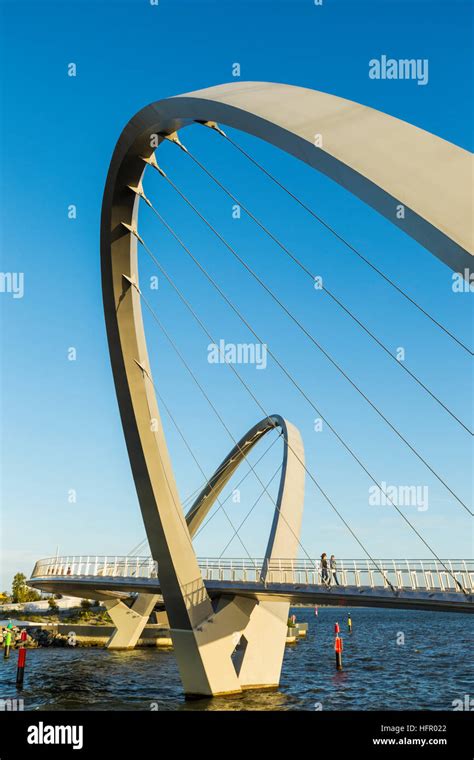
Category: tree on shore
[21,591]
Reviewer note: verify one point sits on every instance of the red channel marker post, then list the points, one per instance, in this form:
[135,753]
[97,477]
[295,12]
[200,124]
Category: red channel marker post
[338,647]
[20,672]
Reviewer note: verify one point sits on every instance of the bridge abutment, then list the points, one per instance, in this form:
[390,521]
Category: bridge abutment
[129,621]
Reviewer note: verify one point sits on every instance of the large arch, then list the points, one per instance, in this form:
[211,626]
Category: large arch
[383,161]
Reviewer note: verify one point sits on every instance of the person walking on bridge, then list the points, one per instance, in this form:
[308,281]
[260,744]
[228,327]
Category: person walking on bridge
[333,566]
[324,569]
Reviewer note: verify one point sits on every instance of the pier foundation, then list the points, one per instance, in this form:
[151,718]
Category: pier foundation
[129,621]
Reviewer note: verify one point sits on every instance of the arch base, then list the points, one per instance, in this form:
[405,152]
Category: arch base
[241,647]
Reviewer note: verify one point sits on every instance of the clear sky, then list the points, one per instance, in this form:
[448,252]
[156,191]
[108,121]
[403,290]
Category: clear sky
[60,423]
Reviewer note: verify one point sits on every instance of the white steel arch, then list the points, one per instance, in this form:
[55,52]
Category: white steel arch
[385,162]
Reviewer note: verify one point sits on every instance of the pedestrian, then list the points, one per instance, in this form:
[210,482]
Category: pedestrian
[7,644]
[333,566]
[324,569]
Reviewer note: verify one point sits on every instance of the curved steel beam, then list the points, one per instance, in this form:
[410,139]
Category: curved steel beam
[286,526]
[382,160]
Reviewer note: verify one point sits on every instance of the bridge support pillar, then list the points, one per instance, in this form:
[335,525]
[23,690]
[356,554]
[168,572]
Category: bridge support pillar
[129,621]
[264,648]
[204,654]
[240,647]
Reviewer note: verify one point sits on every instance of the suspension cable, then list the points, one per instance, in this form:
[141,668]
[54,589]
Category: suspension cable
[178,511]
[303,464]
[279,363]
[238,484]
[185,363]
[317,412]
[212,405]
[334,232]
[304,268]
[306,333]
[250,510]
[141,544]
[245,385]
[198,490]
[189,448]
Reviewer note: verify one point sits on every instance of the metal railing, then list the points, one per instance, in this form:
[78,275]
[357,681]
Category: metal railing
[96,566]
[414,574]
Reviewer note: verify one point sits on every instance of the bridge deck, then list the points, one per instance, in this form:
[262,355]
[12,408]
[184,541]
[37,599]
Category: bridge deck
[409,584]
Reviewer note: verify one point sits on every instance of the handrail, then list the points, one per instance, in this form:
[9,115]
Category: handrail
[414,574]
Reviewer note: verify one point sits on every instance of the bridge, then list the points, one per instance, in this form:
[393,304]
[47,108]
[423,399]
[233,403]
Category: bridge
[407,584]
[417,181]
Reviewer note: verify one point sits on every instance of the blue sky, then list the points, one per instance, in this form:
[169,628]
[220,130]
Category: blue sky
[60,422]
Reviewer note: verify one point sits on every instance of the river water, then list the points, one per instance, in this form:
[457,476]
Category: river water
[393,659]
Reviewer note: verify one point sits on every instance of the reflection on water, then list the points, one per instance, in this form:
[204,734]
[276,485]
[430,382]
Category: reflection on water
[428,671]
